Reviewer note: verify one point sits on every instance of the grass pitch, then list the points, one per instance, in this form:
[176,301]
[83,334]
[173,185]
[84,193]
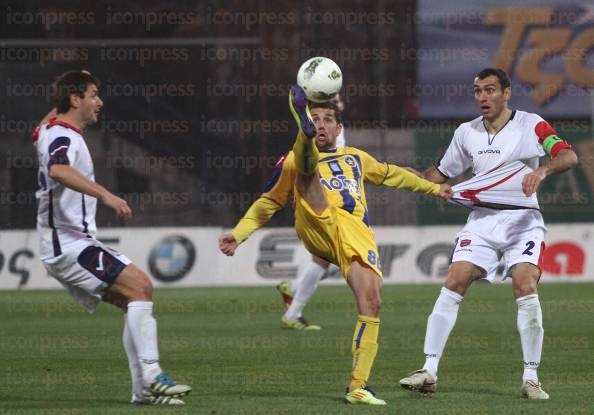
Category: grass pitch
[226,342]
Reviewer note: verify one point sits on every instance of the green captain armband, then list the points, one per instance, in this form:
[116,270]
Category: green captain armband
[548,139]
[550,142]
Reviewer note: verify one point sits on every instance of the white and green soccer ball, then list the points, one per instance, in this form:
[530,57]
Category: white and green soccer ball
[320,78]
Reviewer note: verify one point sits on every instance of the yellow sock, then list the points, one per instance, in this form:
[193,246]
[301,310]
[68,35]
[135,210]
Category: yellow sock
[306,154]
[364,350]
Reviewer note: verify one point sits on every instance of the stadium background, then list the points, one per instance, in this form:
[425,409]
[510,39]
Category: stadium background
[195,113]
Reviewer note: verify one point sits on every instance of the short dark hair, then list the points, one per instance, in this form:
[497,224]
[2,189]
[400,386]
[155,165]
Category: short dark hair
[328,105]
[504,80]
[71,83]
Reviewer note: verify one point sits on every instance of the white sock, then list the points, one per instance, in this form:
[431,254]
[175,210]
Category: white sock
[439,326]
[333,268]
[531,334]
[295,284]
[294,310]
[143,329]
[133,362]
[307,284]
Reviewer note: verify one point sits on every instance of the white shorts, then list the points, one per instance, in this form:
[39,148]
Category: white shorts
[86,269]
[489,234]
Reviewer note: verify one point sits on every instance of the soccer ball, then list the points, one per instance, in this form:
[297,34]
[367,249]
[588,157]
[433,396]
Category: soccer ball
[320,78]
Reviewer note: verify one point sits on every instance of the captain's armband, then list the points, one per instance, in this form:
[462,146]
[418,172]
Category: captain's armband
[548,138]
[553,144]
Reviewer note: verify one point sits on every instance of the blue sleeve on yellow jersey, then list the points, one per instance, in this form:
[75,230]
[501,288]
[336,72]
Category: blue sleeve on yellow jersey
[276,195]
[280,187]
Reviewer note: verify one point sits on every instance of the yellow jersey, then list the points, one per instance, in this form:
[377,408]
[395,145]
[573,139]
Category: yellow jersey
[343,173]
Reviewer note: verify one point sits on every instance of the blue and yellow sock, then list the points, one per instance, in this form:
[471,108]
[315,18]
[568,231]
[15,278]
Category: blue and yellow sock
[364,350]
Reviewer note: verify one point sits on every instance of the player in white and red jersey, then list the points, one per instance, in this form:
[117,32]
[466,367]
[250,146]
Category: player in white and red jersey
[67,200]
[502,147]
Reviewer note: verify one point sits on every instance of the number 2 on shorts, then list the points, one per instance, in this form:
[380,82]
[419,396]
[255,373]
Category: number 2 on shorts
[529,247]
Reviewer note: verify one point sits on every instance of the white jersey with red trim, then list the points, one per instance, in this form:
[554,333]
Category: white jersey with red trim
[64,216]
[501,186]
[499,162]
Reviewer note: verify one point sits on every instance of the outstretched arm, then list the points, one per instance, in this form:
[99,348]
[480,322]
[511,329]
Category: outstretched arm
[434,175]
[403,179]
[400,177]
[257,216]
[275,197]
[564,160]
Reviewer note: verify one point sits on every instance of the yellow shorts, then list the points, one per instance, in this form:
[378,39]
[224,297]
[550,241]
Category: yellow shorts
[336,236]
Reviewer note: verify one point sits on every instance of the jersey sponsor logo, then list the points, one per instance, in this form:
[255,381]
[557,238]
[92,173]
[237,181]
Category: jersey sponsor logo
[465,242]
[341,182]
[489,151]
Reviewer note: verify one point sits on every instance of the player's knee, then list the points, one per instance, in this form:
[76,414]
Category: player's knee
[143,287]
[526,287]
[146,287]
[457,283]
[376,304]
[525,279]
[460,275]
[373,304]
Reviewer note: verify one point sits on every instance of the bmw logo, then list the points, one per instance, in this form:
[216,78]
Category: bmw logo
[172,258]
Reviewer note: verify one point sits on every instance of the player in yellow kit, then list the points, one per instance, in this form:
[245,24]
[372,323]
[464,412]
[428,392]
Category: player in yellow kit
[331,218]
